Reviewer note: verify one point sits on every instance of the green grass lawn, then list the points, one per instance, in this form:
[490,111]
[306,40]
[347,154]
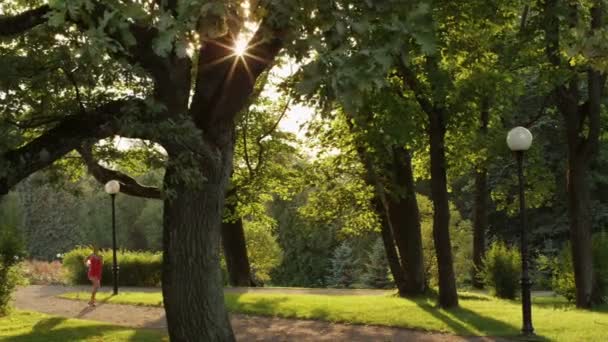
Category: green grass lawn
[554,319]
[25,326]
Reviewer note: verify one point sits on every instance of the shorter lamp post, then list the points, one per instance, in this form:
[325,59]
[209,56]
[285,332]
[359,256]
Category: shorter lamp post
[519,140]
[112,188]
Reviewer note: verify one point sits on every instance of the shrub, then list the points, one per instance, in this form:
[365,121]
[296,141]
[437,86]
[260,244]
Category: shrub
[563,270]
[11,250]
[501,270]
[38,272]
[135,268]
[461,235]
[376,273]
[342,267]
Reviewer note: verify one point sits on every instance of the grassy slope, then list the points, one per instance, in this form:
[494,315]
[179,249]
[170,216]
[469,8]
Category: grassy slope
[478,314]
[25,326]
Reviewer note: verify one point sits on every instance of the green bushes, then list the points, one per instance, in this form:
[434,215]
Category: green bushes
[563,270]
[136,268]
[11,249]
[502,269]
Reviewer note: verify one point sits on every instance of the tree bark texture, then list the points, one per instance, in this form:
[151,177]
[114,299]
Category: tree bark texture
[235,251]
[392,257]
[405,221]
[448,296]
[191,277]
[582,122]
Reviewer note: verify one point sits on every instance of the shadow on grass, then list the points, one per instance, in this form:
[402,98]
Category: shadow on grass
[469,323]
[560,303]
[46,330]
[48,324]
[265,306]
[90,309]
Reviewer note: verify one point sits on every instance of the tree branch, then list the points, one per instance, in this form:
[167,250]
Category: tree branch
[225,80]
[261,148]
[128,185]
[409,78]
[20,23]
[551,29]
[245,148]
[66,136]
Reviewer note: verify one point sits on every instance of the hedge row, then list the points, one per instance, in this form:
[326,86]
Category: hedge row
[135,268]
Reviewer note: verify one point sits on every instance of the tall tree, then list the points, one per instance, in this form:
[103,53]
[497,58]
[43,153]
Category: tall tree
[580,108]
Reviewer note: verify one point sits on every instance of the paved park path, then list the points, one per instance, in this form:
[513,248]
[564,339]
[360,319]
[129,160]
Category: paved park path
[246,328]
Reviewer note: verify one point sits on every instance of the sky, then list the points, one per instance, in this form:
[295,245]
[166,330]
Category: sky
[298,114]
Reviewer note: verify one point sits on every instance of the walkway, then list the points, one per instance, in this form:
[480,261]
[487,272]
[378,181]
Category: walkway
[246,328]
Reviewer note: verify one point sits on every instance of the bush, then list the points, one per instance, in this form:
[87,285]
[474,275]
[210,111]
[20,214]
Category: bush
[376,269]
[563,270]
[501,270]
[135,268]
[38,272]
[461,235]
[11,250]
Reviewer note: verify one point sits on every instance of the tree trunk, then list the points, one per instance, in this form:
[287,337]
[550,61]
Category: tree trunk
[579,209]
[192,278]
[235,252]
[448,297]
[405,221]
[480,210]
[389,246]
[582,122]
[480,223]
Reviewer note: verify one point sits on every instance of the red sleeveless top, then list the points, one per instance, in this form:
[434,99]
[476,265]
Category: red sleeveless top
[95,266]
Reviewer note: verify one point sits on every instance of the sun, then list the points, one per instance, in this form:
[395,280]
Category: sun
[240,46]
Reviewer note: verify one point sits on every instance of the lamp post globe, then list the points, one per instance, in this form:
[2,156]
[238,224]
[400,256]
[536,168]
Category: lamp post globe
[112,188]
[519,140]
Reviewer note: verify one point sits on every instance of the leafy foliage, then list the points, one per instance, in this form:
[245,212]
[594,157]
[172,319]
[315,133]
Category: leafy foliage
[502,270]
[306,247]
[11,249]
[136,268]
[461,235]
[563,270]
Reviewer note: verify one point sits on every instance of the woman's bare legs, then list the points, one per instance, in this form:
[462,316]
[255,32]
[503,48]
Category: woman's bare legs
[96,286]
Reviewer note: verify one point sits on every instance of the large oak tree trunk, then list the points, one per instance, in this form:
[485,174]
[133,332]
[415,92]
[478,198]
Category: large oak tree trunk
[448,296]
[480,210]
[191,278]
[405,221]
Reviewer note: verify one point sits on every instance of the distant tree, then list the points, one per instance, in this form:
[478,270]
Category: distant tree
[376,273]
[343,267]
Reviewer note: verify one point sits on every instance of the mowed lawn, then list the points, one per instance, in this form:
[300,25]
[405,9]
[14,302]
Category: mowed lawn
[554,319]
[25,326]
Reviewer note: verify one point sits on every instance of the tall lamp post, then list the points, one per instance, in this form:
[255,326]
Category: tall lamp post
[519,140]
[112,188]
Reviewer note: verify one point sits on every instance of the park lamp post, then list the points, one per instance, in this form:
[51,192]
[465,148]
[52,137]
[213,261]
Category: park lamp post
[112,188]
[519,140]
